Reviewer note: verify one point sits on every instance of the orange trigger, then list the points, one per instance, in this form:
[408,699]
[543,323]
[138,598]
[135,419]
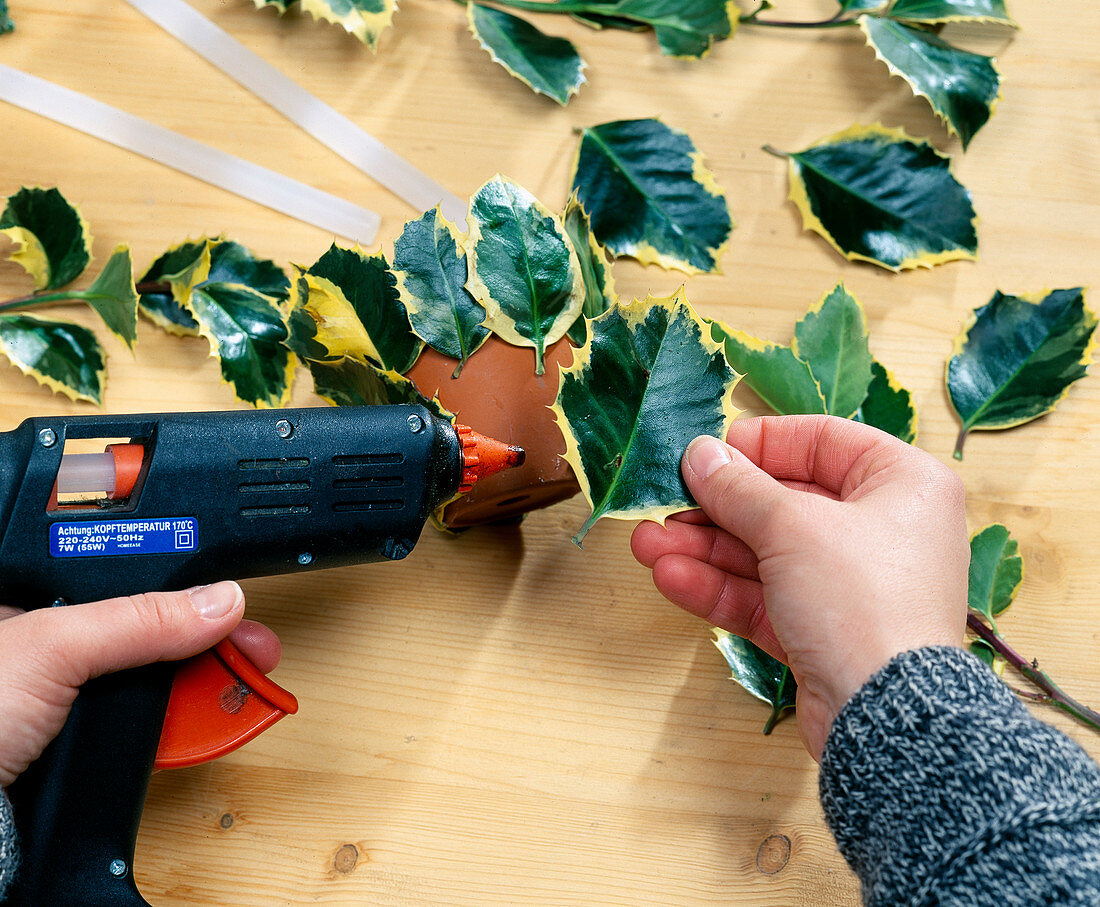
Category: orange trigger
[219,701]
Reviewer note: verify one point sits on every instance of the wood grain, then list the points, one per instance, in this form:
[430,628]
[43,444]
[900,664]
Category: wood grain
[503,718]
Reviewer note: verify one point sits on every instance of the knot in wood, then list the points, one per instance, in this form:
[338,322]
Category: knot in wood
[773,854]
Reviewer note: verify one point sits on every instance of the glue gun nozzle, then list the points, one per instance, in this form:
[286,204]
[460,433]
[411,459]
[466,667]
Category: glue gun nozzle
[483,456]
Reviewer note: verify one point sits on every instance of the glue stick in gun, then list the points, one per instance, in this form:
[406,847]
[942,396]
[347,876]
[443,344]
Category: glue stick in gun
[184,500]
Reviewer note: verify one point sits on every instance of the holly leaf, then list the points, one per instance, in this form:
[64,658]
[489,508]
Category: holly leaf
[649,195]
[648,381]
[352,301]
[961,86]
[599,285]
[114,298]
[156,300]
[888,405]
[776,375]
[861,6]
[996,571]
[64,357]
[55,245]
[684,28]
[1017,357]
[236,300]
[877,195]
[351,382]
[522,269]
[831,338]
[6,24]
[940,11]
[366,19]
[765,677]
[548,65]
[432,268]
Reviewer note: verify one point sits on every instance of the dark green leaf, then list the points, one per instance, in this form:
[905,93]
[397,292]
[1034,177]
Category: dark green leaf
[962,87]
[599,285]
[765,677]
[649,195]
[861,6]
[1017,357]
[522,269]
[831,338]
[684,28]
[996,571]
[431,267]
[54,243]
[888,405]
[550,66]
[937,11]
[774,372]
[6,25]
[368,286]
[877,195]
[114,298]
[66,358]
[984,651]
[649,380]
[159,305]
[349,382]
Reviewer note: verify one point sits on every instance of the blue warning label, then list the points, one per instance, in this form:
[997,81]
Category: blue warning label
[170,535]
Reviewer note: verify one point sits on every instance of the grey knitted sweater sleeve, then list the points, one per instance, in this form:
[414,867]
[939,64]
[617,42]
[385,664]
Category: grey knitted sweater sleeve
[9,854]
[941,788]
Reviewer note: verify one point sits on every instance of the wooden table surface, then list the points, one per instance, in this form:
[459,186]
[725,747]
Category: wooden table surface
[503,718]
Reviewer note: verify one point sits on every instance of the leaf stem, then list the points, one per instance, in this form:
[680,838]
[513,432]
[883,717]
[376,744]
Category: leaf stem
[771,149]
[959,442]
[832,22]
[32,299]
[153,286]
[1030,670]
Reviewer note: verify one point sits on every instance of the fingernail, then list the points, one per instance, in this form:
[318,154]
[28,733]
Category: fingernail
[216,601]
[706,454]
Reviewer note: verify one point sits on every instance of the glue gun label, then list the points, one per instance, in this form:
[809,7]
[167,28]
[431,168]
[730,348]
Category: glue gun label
[105,538]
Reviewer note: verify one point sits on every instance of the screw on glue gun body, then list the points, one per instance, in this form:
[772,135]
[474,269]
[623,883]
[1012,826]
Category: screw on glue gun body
[182,500]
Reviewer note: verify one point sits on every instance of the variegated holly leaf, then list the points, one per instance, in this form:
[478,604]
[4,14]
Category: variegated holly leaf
[649,195]
[366,19]
[648,381]
[762,675]
[961,86]
[935,12]
[66,358]
[351,382]
[996,571]
[522,269]
[156,300]
[684,28]
[237,301]
[6,25]
[55,245]
[432,268]
[599,285]
[877,195]
[347,304]
[548,65]
[114,298]
[1017,357]
[888,405]
[776,375]
[861,6]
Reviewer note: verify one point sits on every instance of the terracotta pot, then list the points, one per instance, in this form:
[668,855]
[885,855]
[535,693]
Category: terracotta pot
[499,395]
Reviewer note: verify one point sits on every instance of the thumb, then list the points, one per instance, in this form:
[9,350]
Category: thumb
[86,641]
[734,492]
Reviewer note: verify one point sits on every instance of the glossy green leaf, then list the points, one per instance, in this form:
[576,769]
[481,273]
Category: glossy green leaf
[832,339]
[6,24]
[684,28]
[156,300]
[877,195]
[366,19]
[601,21]
[522,269]
[350,382]
[237,301]
[649,195]
[774,372]
[362,290]
[1017,357]
[432,268]
[938,11]
[996,571]
[114,298]
[55,245]
[648,381]
[599,285]
[861,6]
[765,677]
[961,86]
[66,358]
[548,65]
[888,405]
